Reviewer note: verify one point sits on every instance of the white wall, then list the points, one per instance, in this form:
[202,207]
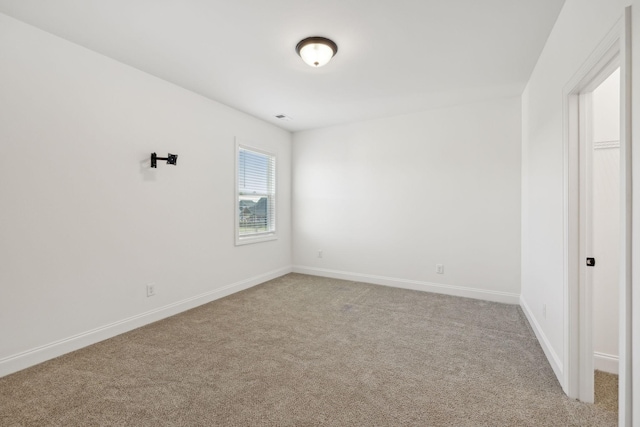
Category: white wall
[606,222]
[630,340]
[85,224]
[388,199]
[582,24]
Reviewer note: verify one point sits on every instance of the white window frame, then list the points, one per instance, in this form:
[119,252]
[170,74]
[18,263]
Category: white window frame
[260,236]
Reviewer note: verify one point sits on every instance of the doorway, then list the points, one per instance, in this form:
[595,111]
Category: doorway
[601,169]
[588,129]
[578,362]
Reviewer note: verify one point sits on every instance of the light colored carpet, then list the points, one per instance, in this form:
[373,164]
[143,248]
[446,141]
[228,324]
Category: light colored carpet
[606,390]
[307,351]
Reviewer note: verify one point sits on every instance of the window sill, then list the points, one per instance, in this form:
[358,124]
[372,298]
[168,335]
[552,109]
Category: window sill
[247,240]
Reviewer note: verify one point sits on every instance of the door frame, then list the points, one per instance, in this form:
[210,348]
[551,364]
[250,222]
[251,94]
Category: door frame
[578,355]
[609,64]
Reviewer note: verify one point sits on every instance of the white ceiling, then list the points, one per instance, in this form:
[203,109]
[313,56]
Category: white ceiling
[394,57]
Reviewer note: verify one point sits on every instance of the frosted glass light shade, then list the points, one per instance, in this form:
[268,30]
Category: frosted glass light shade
[316,51]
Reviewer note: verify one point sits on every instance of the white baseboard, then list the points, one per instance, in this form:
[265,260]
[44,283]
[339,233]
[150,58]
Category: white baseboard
[460,291]
[552,357]
[17,362]
[605,362]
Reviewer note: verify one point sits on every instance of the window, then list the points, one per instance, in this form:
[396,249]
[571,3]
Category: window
[255,195]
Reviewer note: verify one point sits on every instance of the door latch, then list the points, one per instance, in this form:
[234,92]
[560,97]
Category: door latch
[591,262]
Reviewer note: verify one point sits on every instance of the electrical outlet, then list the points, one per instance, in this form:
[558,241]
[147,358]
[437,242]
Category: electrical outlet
[544,310]
[320,253]
[151,289]
[439,268]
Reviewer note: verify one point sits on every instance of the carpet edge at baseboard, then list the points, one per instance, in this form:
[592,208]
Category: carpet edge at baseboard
[606,362]
[458,291]
[34,356]
[549,352]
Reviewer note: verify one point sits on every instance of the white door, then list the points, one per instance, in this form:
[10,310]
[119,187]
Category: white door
[613,52]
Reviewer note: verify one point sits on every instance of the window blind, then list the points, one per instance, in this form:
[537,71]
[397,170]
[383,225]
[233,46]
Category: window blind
[256,193]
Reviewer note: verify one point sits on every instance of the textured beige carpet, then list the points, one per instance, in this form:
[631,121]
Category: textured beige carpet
[606,390]
[306,351]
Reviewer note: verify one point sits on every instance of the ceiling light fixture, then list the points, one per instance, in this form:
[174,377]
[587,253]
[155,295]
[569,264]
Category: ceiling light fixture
[316,51]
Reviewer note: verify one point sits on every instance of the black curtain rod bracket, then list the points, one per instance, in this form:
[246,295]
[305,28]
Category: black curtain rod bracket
[171,159]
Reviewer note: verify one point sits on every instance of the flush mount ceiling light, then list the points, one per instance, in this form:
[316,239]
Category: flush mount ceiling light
[316,51]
